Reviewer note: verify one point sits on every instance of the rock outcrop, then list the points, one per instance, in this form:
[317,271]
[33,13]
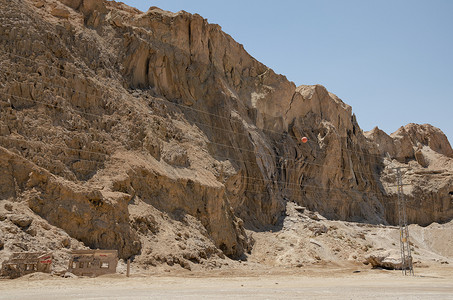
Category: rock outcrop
[128,130]
[427,154]
[390,260]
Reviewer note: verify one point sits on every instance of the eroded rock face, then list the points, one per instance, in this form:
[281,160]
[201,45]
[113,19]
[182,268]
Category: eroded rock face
[426,152]
[122,128]
[98,219]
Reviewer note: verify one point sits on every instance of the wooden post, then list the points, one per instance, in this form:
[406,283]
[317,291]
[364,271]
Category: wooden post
[128,272]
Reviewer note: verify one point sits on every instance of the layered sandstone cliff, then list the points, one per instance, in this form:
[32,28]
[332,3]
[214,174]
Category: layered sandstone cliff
[131,130]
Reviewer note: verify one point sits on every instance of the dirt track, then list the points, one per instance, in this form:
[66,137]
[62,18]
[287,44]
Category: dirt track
[307,284]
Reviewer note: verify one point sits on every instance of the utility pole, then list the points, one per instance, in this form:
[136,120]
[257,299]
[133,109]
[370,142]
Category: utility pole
[406,256]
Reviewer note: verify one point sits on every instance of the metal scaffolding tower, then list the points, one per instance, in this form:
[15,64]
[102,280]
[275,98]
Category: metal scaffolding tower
[406,256]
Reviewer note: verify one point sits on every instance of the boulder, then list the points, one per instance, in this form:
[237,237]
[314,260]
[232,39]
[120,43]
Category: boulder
[8,206]
[421,159]
[69,275]
[60,12]
[22,221]
[390,260]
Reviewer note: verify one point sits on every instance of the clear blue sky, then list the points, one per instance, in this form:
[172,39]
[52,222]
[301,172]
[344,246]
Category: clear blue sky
[391,60]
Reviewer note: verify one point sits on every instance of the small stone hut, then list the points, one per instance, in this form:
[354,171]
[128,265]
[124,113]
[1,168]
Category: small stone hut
[23,263]
[93,262]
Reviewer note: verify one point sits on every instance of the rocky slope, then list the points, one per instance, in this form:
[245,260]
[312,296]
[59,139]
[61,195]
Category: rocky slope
[158,135]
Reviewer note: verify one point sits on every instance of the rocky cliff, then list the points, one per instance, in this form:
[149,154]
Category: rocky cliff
[158,135]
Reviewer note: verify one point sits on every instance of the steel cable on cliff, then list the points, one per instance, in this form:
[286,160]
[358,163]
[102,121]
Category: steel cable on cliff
[245,191]
[182,106]
[305,163]
[284,184]
[236,148]
[217,144]
[224,145]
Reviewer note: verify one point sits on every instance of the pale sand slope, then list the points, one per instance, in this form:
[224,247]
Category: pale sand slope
[305,238]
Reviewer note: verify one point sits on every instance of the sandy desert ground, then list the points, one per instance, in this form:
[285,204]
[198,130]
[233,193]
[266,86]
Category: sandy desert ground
[311,283]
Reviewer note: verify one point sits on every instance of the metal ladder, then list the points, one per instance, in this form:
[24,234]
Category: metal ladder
[406,256]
